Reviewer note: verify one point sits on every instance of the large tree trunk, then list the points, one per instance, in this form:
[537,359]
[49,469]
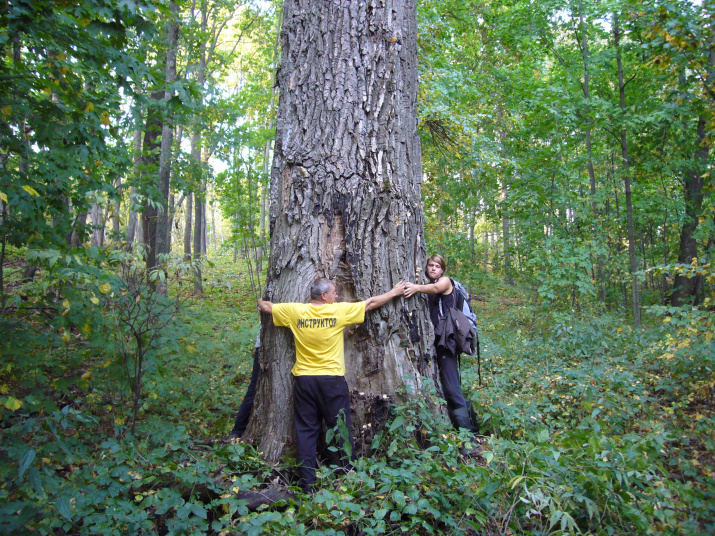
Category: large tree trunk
[345,202]
[686,290]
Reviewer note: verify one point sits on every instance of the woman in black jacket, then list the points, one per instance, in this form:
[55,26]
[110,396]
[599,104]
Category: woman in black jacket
[440,291]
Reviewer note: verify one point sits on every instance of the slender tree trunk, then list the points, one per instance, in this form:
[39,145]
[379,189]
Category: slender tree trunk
[97,217]
[486,249]
[589,152]
[167,136]
[116,213]
[213,225]
[198,216]
[196,143]
[345,200]
[133,220]
[187,227]
[150,161]
[204,243]
[635,294]
[506,240]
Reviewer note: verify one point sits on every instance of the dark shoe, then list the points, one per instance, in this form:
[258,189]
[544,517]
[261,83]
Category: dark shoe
[234,435]
[470,449]
[309,489]
[461,419]
[470,452]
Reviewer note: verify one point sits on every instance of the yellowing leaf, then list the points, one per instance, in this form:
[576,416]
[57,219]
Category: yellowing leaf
[13,404]
[191,348]
[4,389]
[89,107]
[87,375]
[104,118]
[95,301]
[30,190]
[3,197]
[6,111]
[61,56]
[66,304]
[65,336]
[104,288]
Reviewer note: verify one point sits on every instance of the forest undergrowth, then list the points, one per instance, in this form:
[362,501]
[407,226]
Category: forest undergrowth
[592,427]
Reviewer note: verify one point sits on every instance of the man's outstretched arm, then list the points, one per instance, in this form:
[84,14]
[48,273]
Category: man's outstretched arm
[265,306]
[378,301]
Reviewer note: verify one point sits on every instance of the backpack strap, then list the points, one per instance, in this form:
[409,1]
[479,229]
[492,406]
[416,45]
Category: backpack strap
[459,300]
[441,296]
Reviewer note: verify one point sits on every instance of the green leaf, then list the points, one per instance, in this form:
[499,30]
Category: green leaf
[64,508]
[399,421]
[12,403]
[198,510]
[25,461]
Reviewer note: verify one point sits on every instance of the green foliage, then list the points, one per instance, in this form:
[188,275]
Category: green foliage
[592,426]
[62,67]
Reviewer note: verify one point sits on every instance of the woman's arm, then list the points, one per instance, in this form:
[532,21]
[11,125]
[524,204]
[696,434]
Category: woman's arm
[378,301]
[440,286]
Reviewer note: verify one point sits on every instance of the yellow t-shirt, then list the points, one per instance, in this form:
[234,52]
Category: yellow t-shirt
[318,333]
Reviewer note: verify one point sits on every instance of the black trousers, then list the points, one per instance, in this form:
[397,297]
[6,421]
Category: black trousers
[451,384]
[246,407]
[457,407]
[317,399]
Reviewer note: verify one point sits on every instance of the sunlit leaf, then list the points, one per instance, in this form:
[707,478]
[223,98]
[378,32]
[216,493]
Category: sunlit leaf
[30,190]
[13,404]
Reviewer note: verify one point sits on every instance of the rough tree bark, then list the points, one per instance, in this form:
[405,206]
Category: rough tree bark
[345,202]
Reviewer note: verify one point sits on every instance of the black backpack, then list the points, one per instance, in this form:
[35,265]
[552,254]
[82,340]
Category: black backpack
[462,304]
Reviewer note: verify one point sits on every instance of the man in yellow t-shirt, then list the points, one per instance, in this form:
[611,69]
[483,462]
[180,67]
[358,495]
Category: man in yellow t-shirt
[320,392]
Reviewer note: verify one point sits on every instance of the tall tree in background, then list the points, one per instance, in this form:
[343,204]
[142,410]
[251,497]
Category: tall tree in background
[625,166]
[345,198]
[163,221]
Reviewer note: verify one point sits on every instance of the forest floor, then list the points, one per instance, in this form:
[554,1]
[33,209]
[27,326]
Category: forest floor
[592,427]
